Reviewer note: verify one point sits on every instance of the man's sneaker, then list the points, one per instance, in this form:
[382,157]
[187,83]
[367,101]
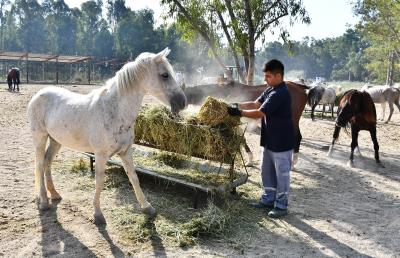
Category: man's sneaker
[277,213]
[260,205]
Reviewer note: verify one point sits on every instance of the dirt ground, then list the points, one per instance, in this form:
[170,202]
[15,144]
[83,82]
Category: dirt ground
[335,211]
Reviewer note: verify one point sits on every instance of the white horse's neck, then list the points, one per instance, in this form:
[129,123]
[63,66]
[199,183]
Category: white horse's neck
[126,106]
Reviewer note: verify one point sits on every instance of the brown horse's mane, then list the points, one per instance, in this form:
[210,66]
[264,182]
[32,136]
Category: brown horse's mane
[368,111]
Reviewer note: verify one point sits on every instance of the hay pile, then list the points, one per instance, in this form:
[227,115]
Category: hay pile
[214,112]
[212,134]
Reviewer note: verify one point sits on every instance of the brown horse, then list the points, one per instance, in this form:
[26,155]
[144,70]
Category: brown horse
[358,109]
[13,78]
[237,92]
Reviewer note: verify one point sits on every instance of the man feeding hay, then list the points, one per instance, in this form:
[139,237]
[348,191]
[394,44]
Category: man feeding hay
[277,138]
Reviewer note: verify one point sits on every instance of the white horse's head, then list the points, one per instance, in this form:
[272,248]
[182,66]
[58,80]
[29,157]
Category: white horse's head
[154,75]
[161,82]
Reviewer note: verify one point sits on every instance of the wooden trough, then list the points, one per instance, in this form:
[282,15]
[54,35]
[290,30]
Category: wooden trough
[200,193]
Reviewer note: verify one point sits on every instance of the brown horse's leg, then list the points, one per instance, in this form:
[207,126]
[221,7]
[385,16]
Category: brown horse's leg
[296,148]
[354,143]
[372,131]
[249,155]
[335,136]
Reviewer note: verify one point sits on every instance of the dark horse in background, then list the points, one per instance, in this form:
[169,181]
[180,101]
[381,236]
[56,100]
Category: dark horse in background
[358,109]
[13,79]
[237,92]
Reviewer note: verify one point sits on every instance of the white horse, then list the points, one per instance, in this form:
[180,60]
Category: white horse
[321,95]
[101,122]
[383,94]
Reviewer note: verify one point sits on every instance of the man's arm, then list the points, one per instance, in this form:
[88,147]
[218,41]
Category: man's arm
[253,113]
[247,109]
[251,105]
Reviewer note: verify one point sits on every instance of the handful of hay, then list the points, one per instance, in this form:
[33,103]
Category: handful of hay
[212,134]
[214,112]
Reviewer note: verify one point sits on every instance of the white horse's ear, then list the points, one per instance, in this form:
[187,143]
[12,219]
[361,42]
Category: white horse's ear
[162,54]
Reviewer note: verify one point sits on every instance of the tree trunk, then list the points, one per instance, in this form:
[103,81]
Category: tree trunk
[389,76]
[251,42]
[250,72]
[234,53]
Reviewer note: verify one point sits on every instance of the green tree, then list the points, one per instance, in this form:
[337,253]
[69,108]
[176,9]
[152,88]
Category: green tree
[104,41]
[10,41]
[135,34]
[89,20]
[380,24]
[61,27]
[241,22]
[116,11]
[3,4]
[31,25]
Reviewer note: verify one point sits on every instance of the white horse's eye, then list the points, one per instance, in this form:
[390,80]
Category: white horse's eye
[165,76]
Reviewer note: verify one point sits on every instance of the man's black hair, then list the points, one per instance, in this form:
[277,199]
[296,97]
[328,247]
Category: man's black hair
[274,66]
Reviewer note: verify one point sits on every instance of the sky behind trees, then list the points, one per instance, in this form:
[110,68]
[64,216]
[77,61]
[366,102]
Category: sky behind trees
[329,18]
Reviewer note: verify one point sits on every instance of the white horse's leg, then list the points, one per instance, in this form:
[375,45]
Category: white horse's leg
[51,152]
[295,158]
[40,140]
[359,152]
[391,109]
[383,105]
[250,161]
[100,167]
[130,171]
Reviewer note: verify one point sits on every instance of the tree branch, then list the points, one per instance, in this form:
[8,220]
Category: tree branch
[230,42]
[262,29]
[195,25]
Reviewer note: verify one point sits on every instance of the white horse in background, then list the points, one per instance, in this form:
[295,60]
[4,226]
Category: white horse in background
[101,122]
[320,94]
[383,94]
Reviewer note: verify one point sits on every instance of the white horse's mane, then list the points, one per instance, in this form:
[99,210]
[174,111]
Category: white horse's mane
[133,72]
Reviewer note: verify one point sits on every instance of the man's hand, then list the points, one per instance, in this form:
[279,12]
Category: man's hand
[234,111]
[235,105]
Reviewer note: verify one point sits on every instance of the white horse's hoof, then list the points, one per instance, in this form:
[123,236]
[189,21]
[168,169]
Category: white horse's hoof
[350,164]
[249,164]
[98,219]
[55,196]
[150,211]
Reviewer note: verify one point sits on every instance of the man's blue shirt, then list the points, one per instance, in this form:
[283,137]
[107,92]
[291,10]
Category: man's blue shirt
[277,131]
